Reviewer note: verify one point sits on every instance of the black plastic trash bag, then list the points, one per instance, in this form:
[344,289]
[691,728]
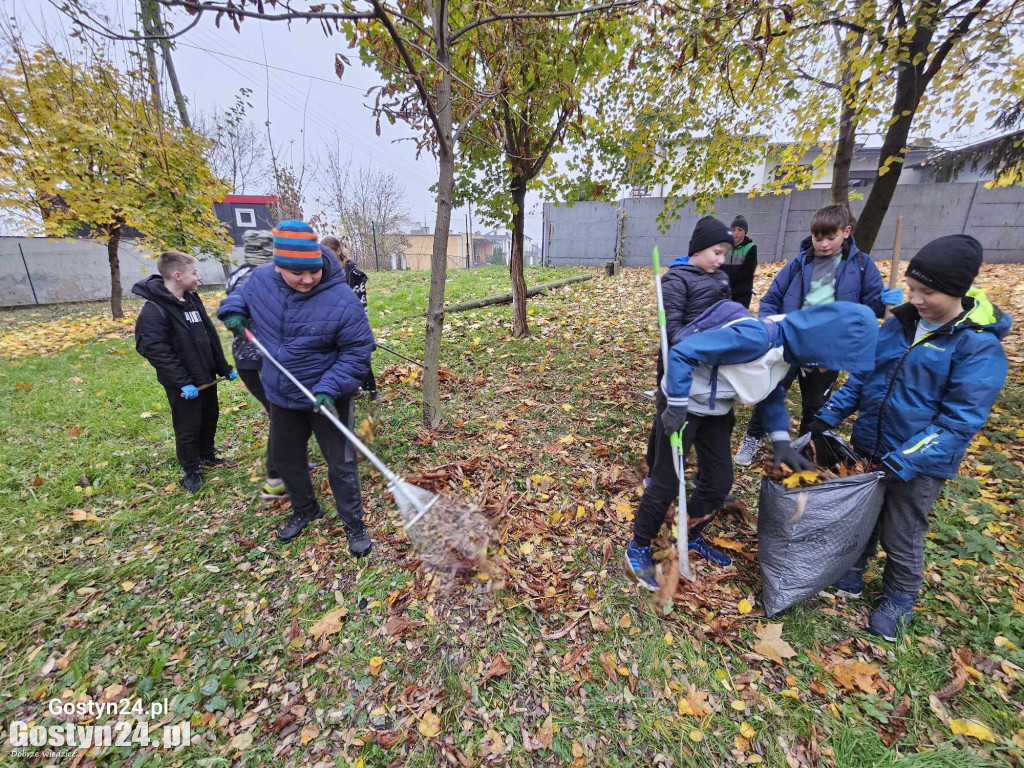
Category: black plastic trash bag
[802,554]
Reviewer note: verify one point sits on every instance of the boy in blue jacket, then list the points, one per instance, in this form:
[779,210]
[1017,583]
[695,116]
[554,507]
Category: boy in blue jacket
[828,268]
[939,367]
[725,356]
[308,318]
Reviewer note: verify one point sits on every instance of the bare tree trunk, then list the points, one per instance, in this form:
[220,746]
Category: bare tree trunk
[439,256]
[172,74]
[519,324]
[113,240]
[147,13]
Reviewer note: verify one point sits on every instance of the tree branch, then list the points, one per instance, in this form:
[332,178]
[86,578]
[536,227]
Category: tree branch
[615,4]
[954,37]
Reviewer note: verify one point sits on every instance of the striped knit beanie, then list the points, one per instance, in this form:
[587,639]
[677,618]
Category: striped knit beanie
[296,247]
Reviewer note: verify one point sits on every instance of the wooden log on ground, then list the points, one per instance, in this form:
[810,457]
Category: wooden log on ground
[504,298]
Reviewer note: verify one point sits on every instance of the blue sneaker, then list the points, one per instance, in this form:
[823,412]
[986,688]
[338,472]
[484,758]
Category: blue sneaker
[892,616]
[709,553]
[851,584]
[640,566]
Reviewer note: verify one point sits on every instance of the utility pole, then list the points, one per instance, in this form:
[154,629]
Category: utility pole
[376,256]
[469,239]
[472,247]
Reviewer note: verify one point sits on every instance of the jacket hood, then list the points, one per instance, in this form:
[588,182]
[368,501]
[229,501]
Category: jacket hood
[680,261]
[980,314]
[839,336]
[986,315]
[152,288]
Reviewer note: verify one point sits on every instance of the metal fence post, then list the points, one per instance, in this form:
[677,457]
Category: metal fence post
[28,274]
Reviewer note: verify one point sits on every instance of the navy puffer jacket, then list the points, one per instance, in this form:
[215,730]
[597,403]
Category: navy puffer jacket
[857,280]
[323,337]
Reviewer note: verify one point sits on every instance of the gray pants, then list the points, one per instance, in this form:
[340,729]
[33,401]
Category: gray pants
[901,529]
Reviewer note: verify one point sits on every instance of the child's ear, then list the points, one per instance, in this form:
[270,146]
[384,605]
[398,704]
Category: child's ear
[847,231]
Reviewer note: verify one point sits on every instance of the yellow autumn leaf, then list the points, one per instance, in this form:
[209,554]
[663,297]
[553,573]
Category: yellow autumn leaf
[747,730]
[127,586]
[972,728]
[744,606]
[375,664]
[309,732]
[1003,642]
[566,407]
[429,725]
[738,705]
[796,478]
[696,735]
[625,622]
[329,624]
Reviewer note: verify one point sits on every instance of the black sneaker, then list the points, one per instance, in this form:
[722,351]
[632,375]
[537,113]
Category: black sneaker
[298,521]
[213,462]
[359,543]
[192,481]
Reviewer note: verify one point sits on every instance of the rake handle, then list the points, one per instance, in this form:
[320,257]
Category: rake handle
[349,435]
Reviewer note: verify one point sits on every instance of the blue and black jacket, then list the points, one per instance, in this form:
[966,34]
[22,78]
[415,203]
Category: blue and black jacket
[857,280]
[923,402]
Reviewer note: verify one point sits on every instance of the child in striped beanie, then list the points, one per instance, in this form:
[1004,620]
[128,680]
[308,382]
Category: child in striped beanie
[296,248]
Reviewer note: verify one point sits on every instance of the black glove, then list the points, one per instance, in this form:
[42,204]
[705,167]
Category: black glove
[673,419]
[817,427]
[786,454]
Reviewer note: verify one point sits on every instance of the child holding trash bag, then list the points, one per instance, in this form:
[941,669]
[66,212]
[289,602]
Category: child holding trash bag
[311,322]
[727,355]
[939,367]
[176,336]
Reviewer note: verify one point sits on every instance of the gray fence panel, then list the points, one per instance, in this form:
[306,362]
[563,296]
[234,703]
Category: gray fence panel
[76,269]
[586,233]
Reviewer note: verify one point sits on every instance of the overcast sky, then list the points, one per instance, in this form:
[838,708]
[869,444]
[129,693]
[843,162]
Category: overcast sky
[213,64]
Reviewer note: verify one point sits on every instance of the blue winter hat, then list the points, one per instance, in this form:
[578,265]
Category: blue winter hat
[839,336]
[296,247]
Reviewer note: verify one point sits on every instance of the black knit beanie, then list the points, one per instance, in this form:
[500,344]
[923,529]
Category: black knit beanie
[708,232]
[948,264]
[741,222]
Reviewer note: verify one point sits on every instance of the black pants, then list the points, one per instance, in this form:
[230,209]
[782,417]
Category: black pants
[901,529]
[195,426]
[743,298]
[370,382]
[815,388]
[289,434]
[251,379]
[711,438]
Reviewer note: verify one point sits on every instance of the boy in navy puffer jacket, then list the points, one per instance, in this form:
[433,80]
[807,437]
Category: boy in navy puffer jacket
[310,321]
[830,267]
[939,367]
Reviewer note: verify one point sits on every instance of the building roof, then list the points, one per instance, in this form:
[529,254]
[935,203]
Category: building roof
[250,199]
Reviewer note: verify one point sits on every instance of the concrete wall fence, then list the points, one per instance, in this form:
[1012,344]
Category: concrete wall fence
[591,234]
[50,270]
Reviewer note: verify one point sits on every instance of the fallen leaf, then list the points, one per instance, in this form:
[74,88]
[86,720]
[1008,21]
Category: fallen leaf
[747,730]
[81,516]
[429,725]
[798,478]
[375,664]
[853,675]
[241,741]
[329,624]
[127,586]
[625,622]
[744,607]
[1002,642]
[696,735]
[607,660]
[309,732]
[770,643]
[499,667]
[972,728]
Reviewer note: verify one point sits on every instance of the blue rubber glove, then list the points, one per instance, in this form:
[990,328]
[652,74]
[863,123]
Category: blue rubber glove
[189,392]
[892,297]
[232,374]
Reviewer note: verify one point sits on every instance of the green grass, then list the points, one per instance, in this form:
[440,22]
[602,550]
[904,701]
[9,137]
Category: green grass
[218,615]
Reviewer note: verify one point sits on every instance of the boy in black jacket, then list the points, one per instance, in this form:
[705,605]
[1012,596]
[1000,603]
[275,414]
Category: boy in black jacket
[692,284]
[177,337]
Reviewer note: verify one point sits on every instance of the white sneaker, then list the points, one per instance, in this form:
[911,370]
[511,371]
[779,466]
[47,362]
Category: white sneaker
[748,449]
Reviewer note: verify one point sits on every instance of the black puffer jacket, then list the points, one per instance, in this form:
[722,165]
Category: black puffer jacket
[177,337]
[688,291]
